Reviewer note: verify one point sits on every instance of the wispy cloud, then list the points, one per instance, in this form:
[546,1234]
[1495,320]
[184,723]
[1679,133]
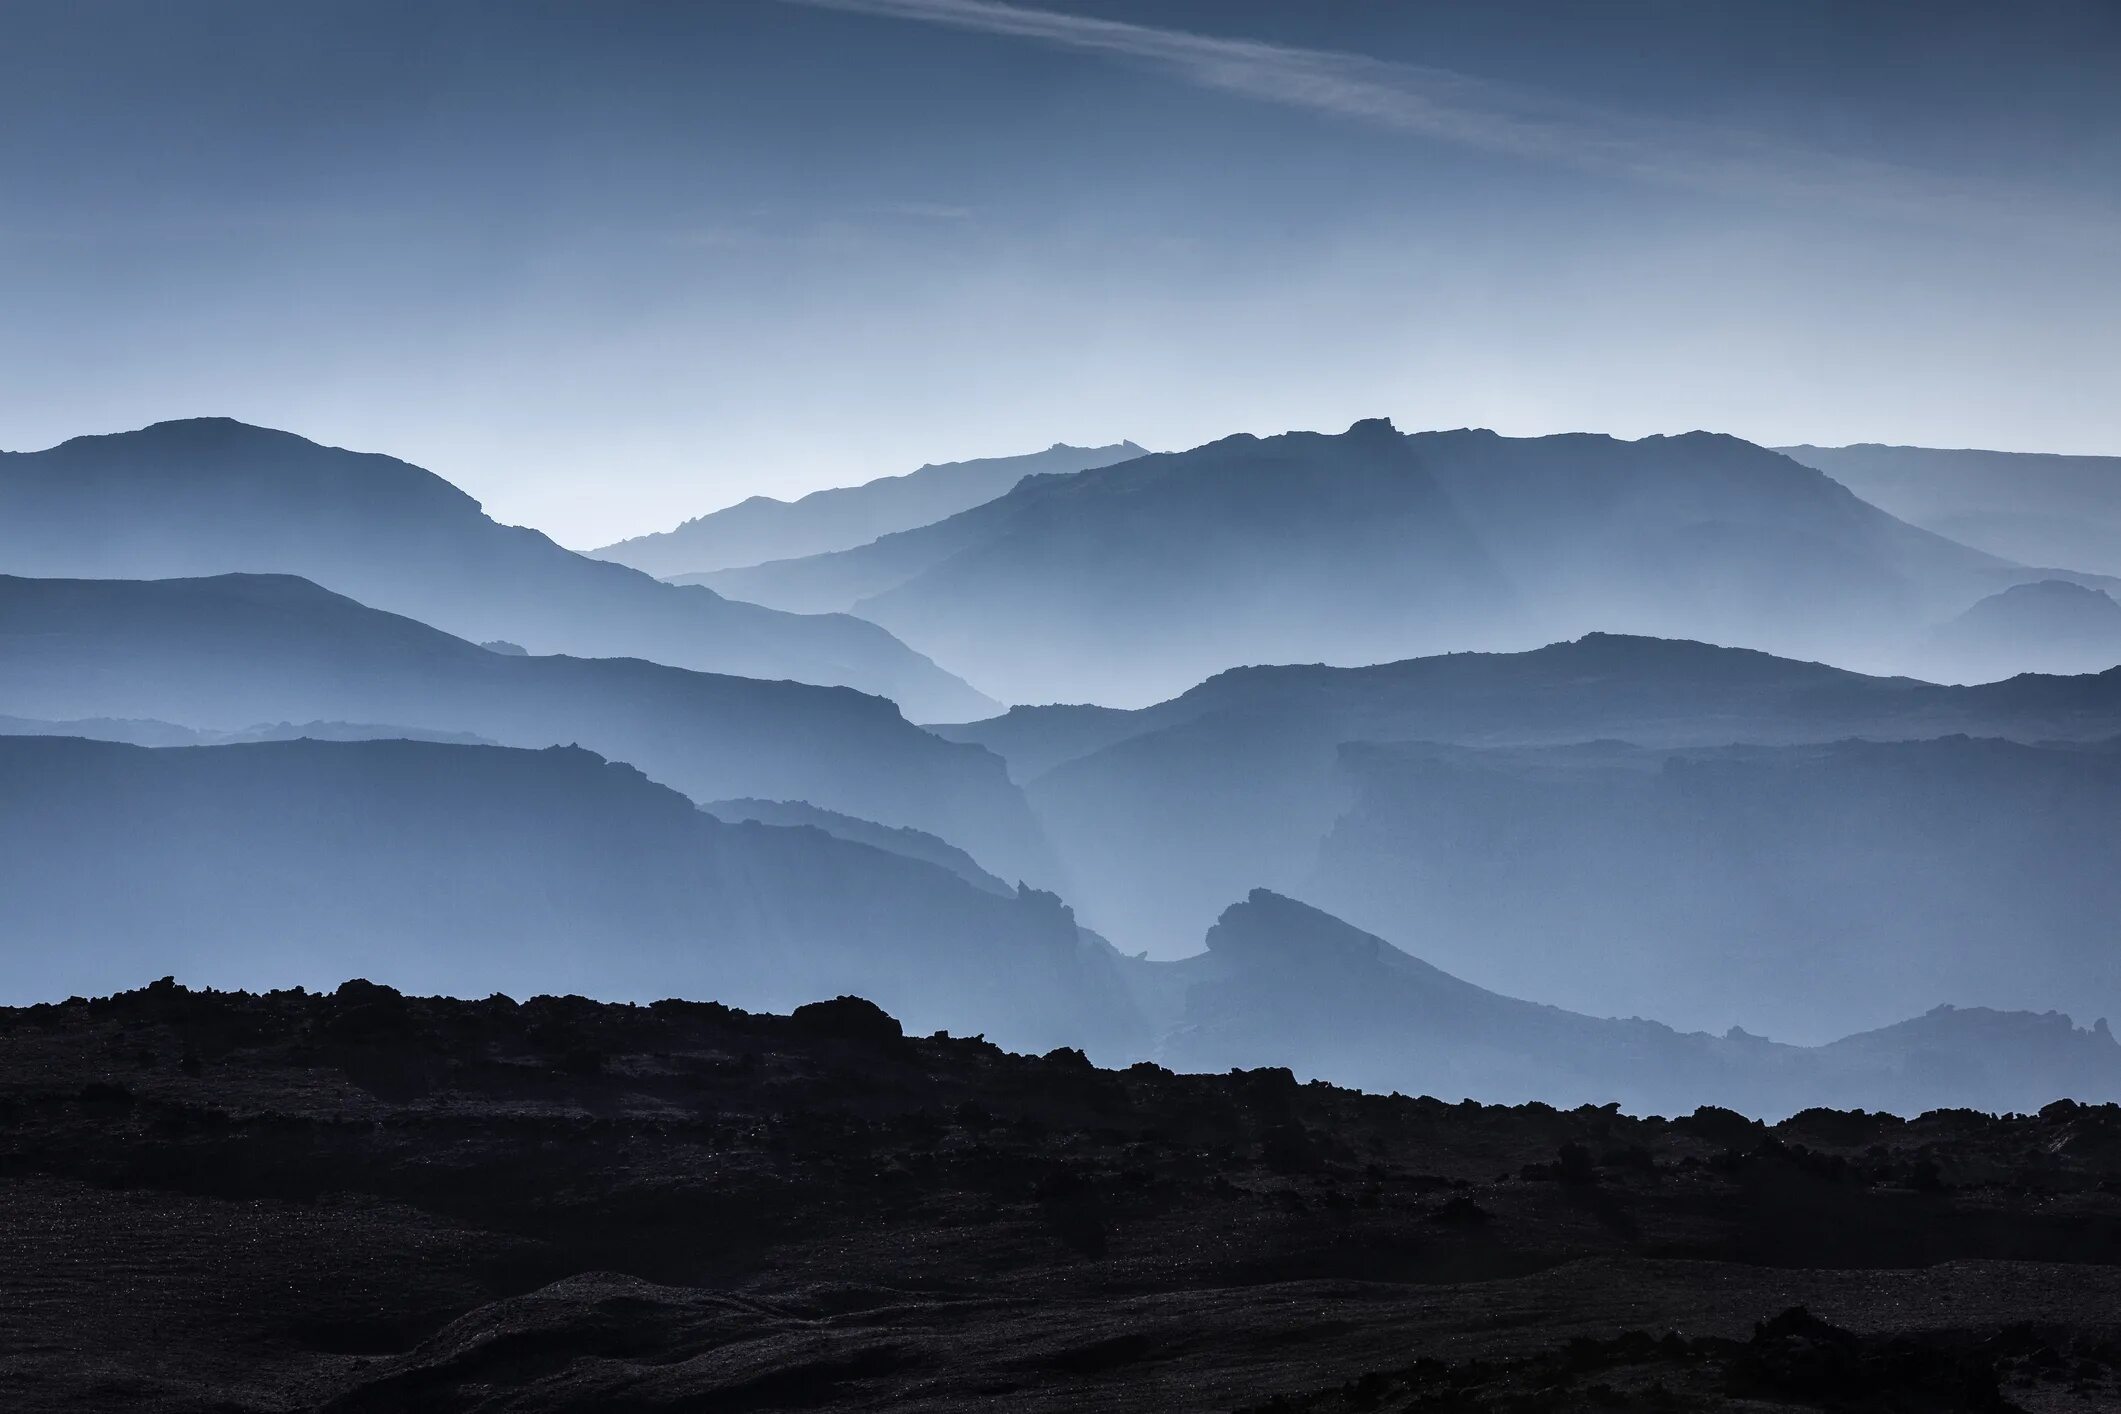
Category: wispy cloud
[1449,107]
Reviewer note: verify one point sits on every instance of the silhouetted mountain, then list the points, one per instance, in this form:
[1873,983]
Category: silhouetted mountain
[1287,984]
[1127,583]
[764,528]
[226,652]
[2032,507]
[2047,626]
[210,496]
[1171,811]
[484,868]
[900,839]
[1807,891]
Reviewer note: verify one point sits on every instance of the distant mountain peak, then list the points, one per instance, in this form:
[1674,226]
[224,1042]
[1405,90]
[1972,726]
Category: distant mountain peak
[1372,427]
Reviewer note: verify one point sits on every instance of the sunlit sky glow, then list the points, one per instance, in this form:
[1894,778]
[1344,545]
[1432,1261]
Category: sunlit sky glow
[608,265]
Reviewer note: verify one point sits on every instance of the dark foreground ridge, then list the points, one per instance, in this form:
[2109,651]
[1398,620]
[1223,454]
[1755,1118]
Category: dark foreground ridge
[368,1202]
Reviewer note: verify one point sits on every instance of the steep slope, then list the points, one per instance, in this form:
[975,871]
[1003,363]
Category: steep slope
[1123,585]
[2047,626]
[1804,891]
[482,868]
[843,517]
[1162,815]
[2032,507]
[211,496]
[1287,983]
[900,839]
[226,652]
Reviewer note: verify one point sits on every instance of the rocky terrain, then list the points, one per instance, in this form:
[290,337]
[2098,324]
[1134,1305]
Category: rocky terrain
[363,1201]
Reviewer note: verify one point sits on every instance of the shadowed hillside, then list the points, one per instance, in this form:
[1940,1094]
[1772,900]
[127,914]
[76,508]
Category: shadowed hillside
[1287,983]
[484,868]
[226,652]
[1162,816]
[1803,891]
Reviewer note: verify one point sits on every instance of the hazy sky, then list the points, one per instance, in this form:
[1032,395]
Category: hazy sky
[612,263]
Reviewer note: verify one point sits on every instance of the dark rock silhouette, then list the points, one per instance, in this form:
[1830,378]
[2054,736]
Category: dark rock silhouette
[432,866]
[226,652]
[1125,584]
[210,496]
[763,528]
[362,1200]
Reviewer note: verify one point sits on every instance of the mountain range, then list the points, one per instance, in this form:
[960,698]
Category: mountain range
[1160,816]
[842,517]
[470,868]
[1282,979]
[1130,582]
[1807,891]
[208,496]
[433,865]
[225,652]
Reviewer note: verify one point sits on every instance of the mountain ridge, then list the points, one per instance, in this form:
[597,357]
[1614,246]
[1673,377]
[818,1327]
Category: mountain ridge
[1373,545]
[762,528]
[224,652]
[209,496]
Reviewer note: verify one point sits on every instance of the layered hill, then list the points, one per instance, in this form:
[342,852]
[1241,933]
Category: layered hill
[1802,891]
[1286,982]
[899,839]
[431,865]
[1126,584]
[211,496]
[226,652]
[478,869]
[2032,507]
[764,528]
[1161,816]
[2048,626]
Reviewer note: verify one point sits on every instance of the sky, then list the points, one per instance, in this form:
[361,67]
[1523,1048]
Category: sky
[610,264]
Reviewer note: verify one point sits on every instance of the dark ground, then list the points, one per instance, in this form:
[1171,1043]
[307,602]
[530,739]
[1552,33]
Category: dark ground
[368,1203]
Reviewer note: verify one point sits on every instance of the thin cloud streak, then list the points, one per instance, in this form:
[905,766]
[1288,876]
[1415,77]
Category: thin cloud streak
[1445,106]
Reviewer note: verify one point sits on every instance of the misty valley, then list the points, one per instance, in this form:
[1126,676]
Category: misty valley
[1161,706]
[276,716]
